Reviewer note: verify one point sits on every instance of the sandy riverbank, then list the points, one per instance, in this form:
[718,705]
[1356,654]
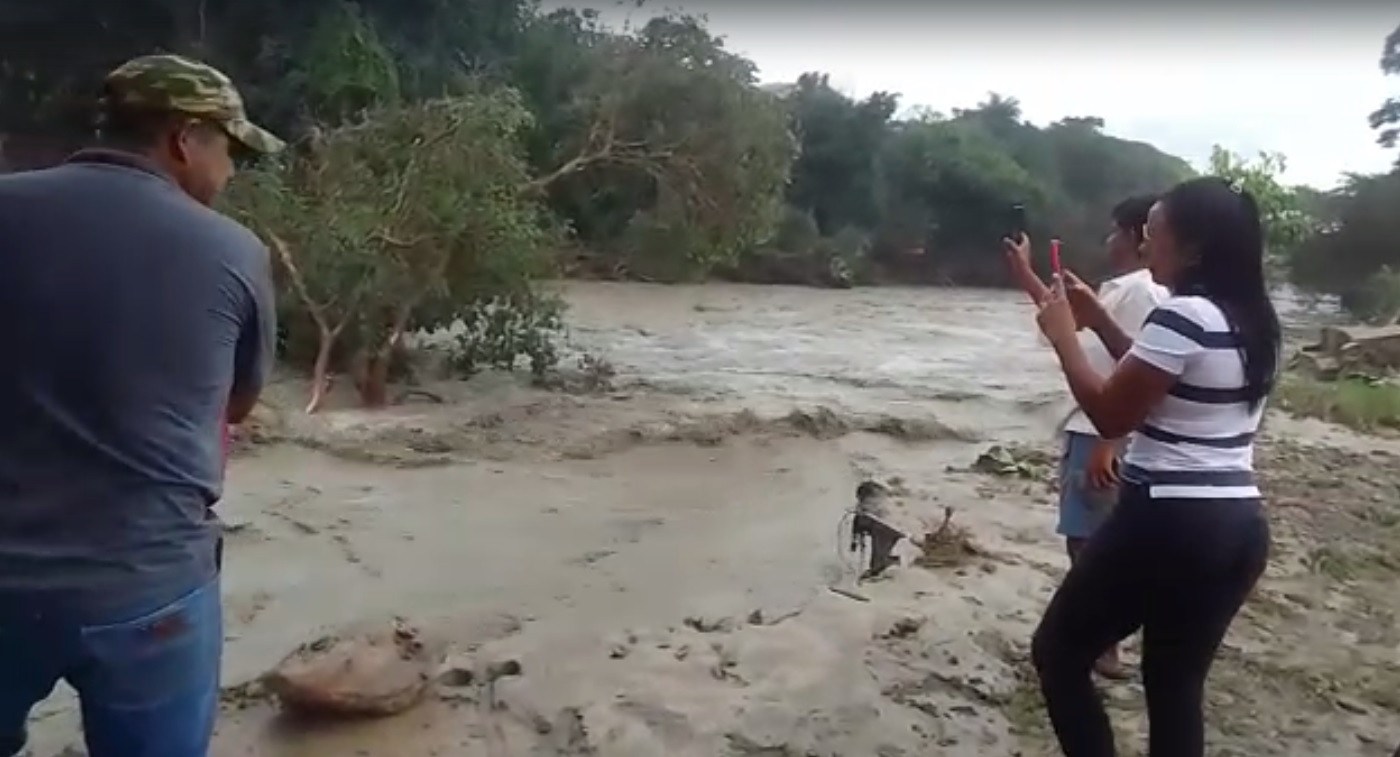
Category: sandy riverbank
[660,572]
[657,559]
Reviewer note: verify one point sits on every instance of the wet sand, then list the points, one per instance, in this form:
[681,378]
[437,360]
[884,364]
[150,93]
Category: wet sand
[658,556]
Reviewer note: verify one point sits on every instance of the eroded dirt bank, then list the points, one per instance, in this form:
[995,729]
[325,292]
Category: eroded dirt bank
[657,556]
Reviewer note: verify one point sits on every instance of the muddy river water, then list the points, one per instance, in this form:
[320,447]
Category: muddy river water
[969,355]
[657,554]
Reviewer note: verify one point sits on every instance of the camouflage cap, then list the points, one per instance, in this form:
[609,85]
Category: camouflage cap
[185,86]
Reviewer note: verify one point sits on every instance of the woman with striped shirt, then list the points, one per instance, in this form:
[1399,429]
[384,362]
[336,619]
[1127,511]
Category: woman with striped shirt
[1188,538]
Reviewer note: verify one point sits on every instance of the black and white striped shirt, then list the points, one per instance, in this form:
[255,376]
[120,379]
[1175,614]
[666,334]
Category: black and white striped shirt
[1199,442]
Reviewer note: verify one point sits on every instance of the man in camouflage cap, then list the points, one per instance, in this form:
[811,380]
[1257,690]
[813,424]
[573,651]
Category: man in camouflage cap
[172,89]
[138,321]
[179,85]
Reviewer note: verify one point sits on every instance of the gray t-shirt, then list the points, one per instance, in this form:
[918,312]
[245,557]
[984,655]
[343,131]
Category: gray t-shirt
[128,314]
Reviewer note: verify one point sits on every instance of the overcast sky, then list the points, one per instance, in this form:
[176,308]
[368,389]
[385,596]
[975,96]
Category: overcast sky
[1248,75]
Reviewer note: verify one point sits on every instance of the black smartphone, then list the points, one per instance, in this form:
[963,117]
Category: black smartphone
[1016,222]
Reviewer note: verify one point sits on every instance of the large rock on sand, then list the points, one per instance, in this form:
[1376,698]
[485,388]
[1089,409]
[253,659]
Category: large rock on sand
[371,672]
[1364,350]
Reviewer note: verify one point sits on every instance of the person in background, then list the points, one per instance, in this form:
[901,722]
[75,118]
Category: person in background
[1188,539]
[1088,479]
[137,321]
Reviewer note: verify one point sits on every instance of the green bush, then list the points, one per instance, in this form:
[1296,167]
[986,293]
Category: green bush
[501,332]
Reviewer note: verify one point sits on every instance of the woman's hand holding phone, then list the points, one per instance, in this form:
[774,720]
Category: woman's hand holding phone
[1084,301]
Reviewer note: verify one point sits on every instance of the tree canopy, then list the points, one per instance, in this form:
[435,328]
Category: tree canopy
[1353,251]
[448,154]
[655,148]
[1386,119]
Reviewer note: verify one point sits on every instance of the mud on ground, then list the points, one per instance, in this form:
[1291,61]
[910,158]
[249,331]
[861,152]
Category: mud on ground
[659,569]
[1310,666]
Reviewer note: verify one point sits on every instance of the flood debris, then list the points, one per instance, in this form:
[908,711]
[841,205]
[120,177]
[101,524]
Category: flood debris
[1012,461]
[870,533]
[948,545]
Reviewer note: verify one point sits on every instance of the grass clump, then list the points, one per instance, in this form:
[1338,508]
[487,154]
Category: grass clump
[1359,403]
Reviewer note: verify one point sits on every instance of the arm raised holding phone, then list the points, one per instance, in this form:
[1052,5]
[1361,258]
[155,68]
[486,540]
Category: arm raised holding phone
[1016,244]
[1018,261]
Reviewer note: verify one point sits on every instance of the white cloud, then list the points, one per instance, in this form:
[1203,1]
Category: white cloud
[1300,82]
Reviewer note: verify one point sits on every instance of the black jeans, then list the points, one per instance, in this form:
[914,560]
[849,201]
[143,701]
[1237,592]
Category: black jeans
[1179,569]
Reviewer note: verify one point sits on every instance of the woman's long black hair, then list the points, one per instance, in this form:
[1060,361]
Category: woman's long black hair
[1220,226]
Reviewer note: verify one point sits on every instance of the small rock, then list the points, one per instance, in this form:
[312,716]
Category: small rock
[369,673]
[904,628]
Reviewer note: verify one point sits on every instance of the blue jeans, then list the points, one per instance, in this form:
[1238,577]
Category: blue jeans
[1083,508]
[148,685]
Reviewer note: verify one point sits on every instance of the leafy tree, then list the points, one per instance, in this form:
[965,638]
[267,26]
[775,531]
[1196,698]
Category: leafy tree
[691,158]
[946,190]
[1354,250]
[840,140]
[408,220]
[346,68]
[1386,119]
[1280,208]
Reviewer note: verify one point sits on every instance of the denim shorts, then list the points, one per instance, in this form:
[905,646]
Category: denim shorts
[148,684]
[1083,506]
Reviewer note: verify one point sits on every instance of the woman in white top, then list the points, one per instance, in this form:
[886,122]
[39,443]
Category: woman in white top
[1188,539]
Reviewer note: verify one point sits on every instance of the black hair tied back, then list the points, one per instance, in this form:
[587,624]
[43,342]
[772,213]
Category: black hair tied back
[1217,224]
[1130,215]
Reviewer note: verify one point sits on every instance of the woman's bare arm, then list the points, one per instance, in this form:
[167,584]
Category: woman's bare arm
[1115,404]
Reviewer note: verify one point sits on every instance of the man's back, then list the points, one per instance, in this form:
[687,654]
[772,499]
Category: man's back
[126,310]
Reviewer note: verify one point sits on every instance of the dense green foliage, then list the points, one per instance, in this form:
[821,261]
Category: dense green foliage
[926,199]
[1354,253]
[1386,119]
[448,154]
[655,148]
[414,217]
